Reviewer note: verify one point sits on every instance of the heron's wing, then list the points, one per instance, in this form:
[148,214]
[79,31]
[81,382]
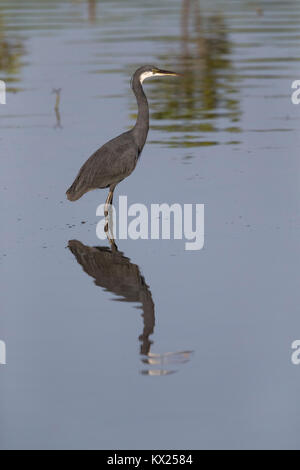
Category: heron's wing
[111,163]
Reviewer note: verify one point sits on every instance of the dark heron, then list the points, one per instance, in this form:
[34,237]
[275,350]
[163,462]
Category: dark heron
[117,159]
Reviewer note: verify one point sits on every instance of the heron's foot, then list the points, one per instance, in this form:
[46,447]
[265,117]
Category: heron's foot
[106,227]
[113,245]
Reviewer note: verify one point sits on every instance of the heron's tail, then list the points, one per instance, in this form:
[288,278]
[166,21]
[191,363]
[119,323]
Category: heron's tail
[74,192]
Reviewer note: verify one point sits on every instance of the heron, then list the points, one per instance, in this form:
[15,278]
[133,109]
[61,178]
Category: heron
[117,159]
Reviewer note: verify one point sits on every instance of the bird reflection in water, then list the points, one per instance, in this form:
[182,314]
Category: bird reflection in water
[115,273]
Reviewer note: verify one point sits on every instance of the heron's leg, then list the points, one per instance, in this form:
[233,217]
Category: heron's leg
[106,228]
[108,202]
[109,229]
[110,214]
[112,195]
[109,218]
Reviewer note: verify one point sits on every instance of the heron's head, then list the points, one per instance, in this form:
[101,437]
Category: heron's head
[148,71]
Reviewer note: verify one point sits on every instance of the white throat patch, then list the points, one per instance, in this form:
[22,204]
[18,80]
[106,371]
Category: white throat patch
[146,75]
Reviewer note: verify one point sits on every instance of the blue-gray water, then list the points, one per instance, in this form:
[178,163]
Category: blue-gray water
[225,135]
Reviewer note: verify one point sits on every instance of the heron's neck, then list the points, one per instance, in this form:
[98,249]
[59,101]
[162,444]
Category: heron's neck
[141,127]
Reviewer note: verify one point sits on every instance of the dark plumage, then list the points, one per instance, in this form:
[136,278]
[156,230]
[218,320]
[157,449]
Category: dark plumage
[117,159]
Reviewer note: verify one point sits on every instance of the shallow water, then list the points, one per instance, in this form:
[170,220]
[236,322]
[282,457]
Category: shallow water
[152,346]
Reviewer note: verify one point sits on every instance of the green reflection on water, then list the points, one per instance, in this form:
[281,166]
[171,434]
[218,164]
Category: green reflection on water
[207,90]
[11,51]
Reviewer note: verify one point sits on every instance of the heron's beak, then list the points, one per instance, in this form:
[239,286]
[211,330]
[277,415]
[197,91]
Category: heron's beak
[167,72]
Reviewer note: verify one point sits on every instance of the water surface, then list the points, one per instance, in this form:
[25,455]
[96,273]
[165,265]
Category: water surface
[150,346]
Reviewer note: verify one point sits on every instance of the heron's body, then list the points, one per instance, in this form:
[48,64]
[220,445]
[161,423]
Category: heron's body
[117,159]
[109,165]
